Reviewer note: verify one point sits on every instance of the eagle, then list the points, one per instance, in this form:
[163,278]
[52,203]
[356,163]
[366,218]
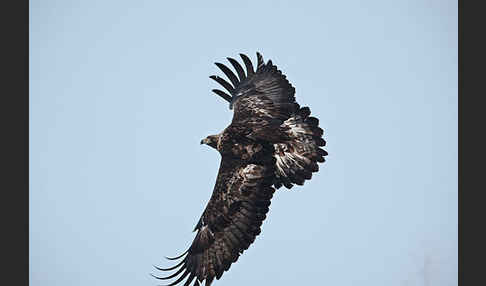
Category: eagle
[271,142]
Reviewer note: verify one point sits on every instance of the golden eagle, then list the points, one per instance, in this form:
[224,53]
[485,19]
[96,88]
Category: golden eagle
[271,142]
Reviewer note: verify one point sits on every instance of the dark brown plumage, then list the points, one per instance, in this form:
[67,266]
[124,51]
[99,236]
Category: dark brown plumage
[271,142]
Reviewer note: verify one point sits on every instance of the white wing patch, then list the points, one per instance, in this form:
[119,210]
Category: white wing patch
[297,158]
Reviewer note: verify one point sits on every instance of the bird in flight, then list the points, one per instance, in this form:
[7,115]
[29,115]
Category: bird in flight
[271,142]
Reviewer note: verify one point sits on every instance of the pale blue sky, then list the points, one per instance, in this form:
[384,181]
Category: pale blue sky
[120,98]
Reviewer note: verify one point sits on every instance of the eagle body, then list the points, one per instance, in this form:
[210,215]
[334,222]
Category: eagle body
[271,142]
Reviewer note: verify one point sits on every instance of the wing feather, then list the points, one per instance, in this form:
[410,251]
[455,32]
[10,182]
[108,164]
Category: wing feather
[298,157]
[238,68]
[223,94]
[262,100]
[218,243]
[223,83]
[231,76]
[248,65]
[264,105]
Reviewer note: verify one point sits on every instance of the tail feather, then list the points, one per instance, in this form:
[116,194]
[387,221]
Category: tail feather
[298,158]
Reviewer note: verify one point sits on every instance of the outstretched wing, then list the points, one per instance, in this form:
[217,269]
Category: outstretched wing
[265,108]
[229,224]
[262,100]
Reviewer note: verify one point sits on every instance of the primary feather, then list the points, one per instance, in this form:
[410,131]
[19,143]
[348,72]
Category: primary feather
[271,142]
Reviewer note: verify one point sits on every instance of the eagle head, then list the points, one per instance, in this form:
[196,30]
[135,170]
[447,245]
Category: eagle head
[211,140]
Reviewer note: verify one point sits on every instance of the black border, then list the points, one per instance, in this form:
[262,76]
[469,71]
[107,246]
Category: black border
[471,50]
[15,136]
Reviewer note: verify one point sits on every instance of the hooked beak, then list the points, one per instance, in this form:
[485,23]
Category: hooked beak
[203,141]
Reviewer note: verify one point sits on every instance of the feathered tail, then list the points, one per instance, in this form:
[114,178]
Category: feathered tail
[297,158]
